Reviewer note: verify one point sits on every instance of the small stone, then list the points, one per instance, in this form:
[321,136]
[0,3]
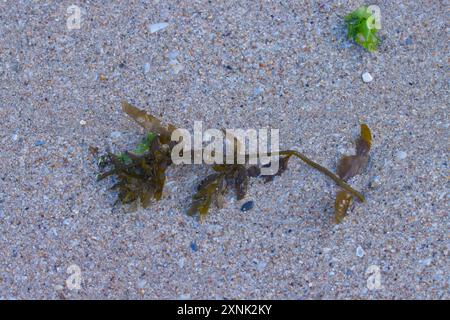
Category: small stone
[146,68]
[360,252]
[141,283]
[39,143]
[247,206]
[82,122]
[181,263]
[367,77]
[426,262]
[408,41]
[58,287]
[102,77]
[157,26]
[401,155]
[194,246]
[116,134]
[375,182]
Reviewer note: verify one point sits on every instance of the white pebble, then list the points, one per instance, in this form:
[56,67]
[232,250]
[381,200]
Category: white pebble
[116,134]
[367,77]
[181,263]
[360,252]
[157,26]
[82,122]
[426,262]
[375,182]
[146,68]
[401,155]
[141,284]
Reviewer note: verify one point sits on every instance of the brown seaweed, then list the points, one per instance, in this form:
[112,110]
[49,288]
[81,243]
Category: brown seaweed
[140,175]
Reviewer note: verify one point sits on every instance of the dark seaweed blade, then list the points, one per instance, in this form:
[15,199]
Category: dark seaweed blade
[208,190]
[282,166]
[364,142]
[341,205]
[213,188]
[253,171]
[149,122]
[348,167]
[241,182]
[142,176]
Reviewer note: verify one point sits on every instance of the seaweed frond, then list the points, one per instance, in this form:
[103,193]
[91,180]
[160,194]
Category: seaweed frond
[350,166]
[361,28]
[141,174]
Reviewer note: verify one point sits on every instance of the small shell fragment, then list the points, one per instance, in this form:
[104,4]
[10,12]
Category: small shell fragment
[367,77]
[157,26]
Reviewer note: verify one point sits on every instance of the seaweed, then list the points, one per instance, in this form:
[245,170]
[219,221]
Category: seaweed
[140,175]
[362,28]
[350,166]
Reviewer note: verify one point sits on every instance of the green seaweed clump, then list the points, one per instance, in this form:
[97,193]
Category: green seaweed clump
[362,28]
[141,174]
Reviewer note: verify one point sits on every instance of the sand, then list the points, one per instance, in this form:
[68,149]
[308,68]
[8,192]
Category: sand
[230,64]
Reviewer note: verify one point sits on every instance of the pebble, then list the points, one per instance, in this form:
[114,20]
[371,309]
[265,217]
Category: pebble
[194,246]
[408,41]
[247,206]
[146,68]
[401,155]
[141,284]
[157,26]
[181,263]
[426,262]
[360,252]
[39,143]
[375,182]
[58,287]
[82,122]
[367,77]
[116,134]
